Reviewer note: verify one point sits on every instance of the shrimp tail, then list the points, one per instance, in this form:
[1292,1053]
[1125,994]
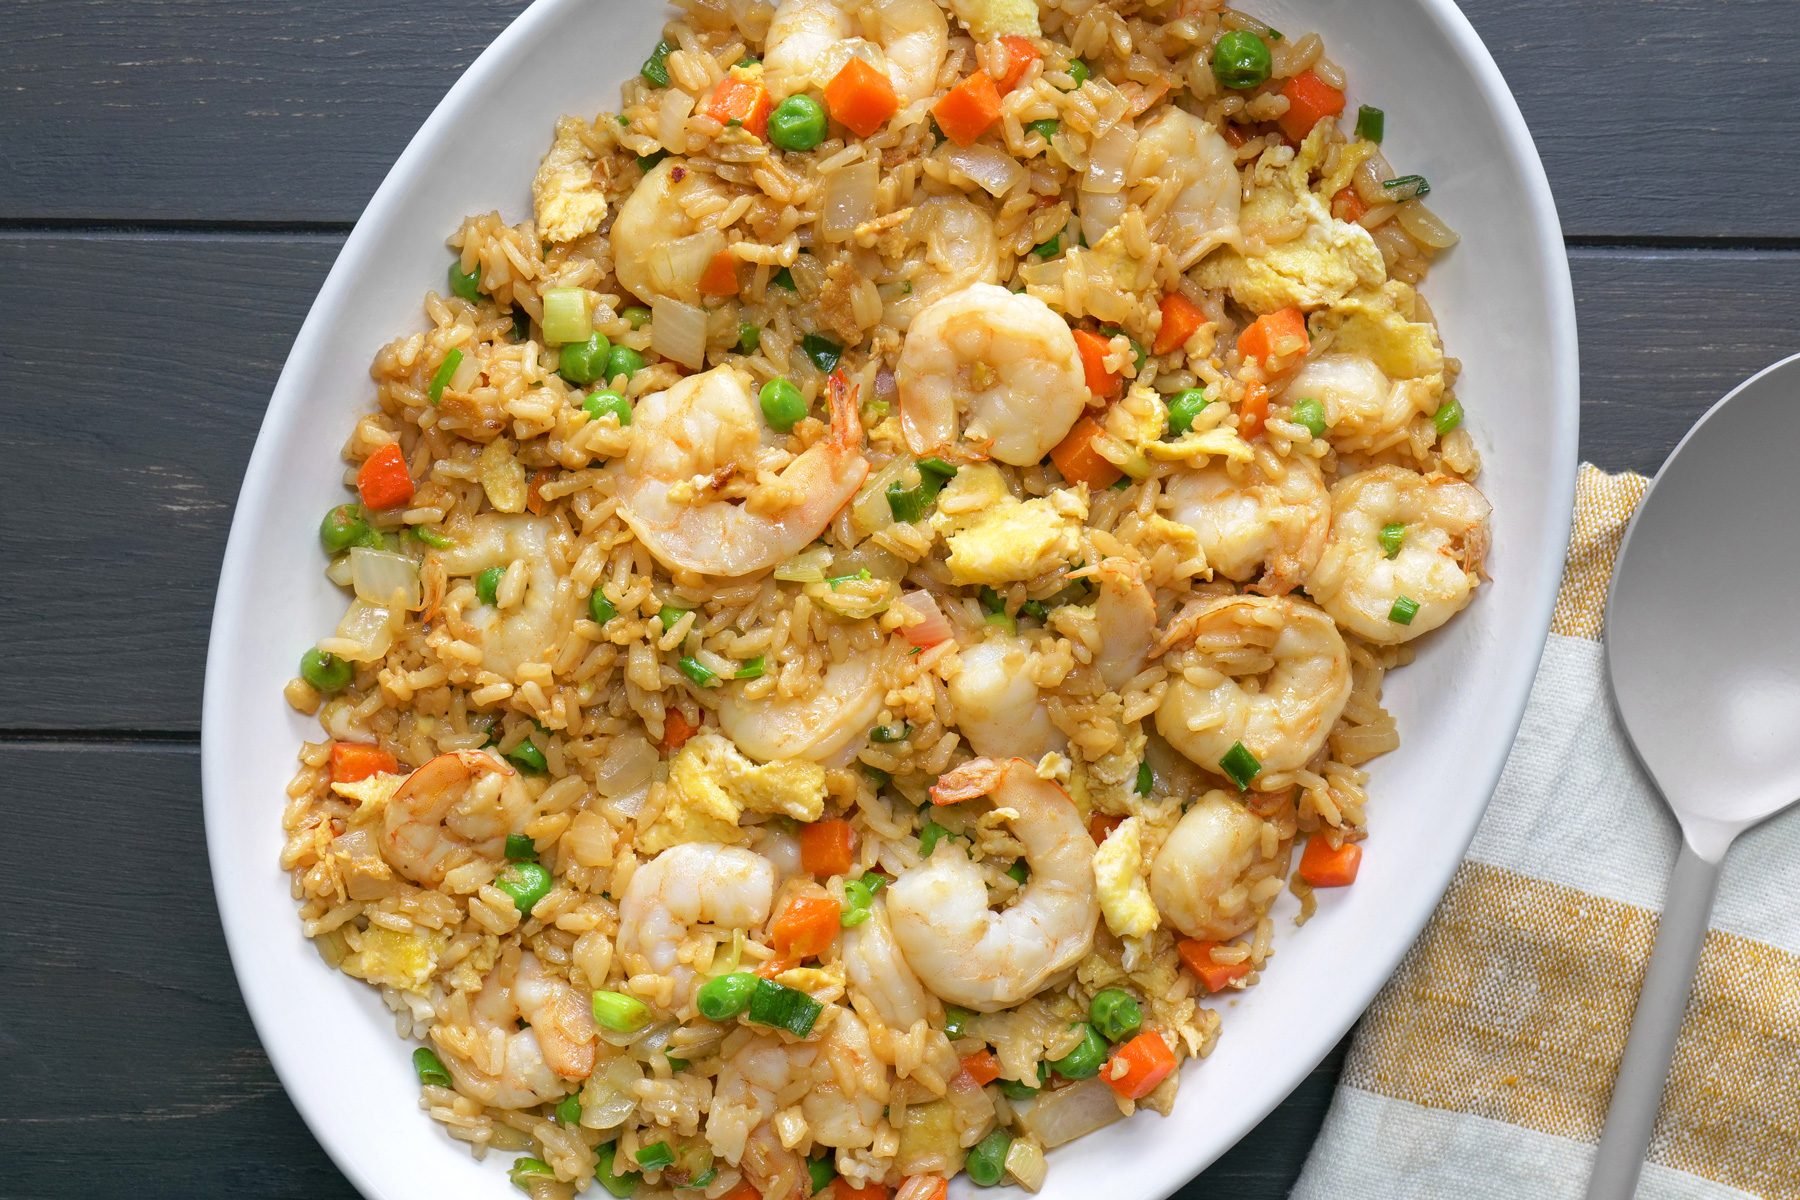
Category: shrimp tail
[846,417]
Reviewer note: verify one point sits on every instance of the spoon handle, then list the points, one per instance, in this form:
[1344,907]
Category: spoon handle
[1644,1069]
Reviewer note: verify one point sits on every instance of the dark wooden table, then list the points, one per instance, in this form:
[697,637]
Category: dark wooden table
[175,178]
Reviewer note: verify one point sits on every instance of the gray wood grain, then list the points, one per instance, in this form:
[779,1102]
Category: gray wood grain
[169,415]
[1656,118]
[123,1035]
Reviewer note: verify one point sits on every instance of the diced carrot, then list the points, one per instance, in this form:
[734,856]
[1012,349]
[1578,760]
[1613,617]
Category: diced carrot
[676,731]
[1094,348]
[534,498]
[1277,335]
[1253,411]
[982,1067]
[968,109]
[1139,1065]
[1020,54]
[805,926]
[1078,460]
[1180,318]
[351,761]
[873,1190]
[1310,100]
[860,98]
[1235,135]
[776,966]
[743,100]
[383,480]
[744,1190]
[1101,825]
[977,777]
[720,276]
[1216,977]
[1322,866]
[826,847]
[1347,205]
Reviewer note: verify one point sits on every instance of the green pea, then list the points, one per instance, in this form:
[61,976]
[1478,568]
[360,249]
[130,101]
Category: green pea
[1240,60]
[986,1163]
[598,404]
[956,1021]
[528,758]
[783,406]
[1018,1089]
[822,1173]
[1115,1014]
[326,672]
[623,360]
[466,284]
[584,362]
[1079,71]
[1310,413]
[636,315]
[621,1014]
[1184,408]
[798,123]
[725,996]
[600,608]
[343,527]
[487,584]
[749,338]
[526,883]
[1084,1061]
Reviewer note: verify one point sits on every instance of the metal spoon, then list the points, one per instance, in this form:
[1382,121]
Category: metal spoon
[1703,652]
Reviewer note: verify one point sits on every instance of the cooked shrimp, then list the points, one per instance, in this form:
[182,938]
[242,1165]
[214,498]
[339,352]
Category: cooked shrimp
[950,245]
[1269,673]
[763,1076]
[826,726]
[1125,617]
[1271,515]
[526,630]
[965,951]
[850,1087]
[1182,174]
[998,708]
[654,216]
[810,41]
[697,883]
[1365,411]
[998,367]
[1205,878]
[878,971]
[695,485]
[495,1062]
[1443,540]
[455,810]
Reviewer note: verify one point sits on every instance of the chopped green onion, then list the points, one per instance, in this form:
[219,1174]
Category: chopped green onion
[783,1007]
[1371,123]
[1448,417]
[986,1163]
[705,1177]
[325,672]
[937,468]
[1121,483]
[990,600]
[1048,250]
[838,581]
[647,162]
[1115,1014]
[907,504]
[656,68]
[1079,71]
[524,1170]
[1035,610]
[878,778]
[528,758]
[568,315]
[466,284]
[930,836]
[1146,779]
[698,672]
[445,373]
[859,898]
[1240,765]
[1045,128]
[1404,610]
[520,848]
[1310,413]
[1184,408]
[620,1013]
[676,1064]
[620,1185]
[822,1173]
[655,1156]
[669,615]
[521,326]
[568,1109]
[1407,187]
[751,668]
[636,315]
[725,996]
[1002,620]
[487,584]
[1019,872]
[784,279]
[823,352]
[600,608]
[526,883]
[888,734]
[1392,537]
[432,537]
[956,1021]
[1274,34]
[430,1068]
[749,338]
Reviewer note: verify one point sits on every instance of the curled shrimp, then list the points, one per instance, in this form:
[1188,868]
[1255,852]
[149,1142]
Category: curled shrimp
[809,42]
[494,1061]
[529,627]
[1365,411]
[763,1076]
[998,707]
[656,243]
[998,368]
[1443,538]
[1205,877]
[1269,515]
[878,971]
[825,726]
[965,951]
[950,245]
[696,485]
[1269,673]
[693,884]
[455,810]
[850,1087]
[1184,179]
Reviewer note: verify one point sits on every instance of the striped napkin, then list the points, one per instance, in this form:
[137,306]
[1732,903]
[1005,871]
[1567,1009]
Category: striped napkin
[1483,1069]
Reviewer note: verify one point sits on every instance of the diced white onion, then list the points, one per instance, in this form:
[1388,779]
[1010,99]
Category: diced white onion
[365,633]
[933,627]
[869,510]
[672,111]
[848,200]
[1061,1115]
[1109,160]
[1025,1163]
[994,170]
[1426,227]
[627,766]
[678,331]
[384,578]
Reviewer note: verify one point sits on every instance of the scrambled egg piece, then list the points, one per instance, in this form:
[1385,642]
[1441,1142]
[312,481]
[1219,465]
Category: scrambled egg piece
[372,792]
[989,19]
[567,200]
[1378,325]
[995,538]
[1119,876]
[711,784]
[1316,267]
[1109,277]
[392,959]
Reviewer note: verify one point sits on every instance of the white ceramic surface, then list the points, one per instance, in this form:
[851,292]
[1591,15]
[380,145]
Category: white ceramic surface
[1504,303]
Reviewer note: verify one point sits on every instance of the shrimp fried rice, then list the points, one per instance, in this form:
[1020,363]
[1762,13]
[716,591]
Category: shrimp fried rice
[861,601]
